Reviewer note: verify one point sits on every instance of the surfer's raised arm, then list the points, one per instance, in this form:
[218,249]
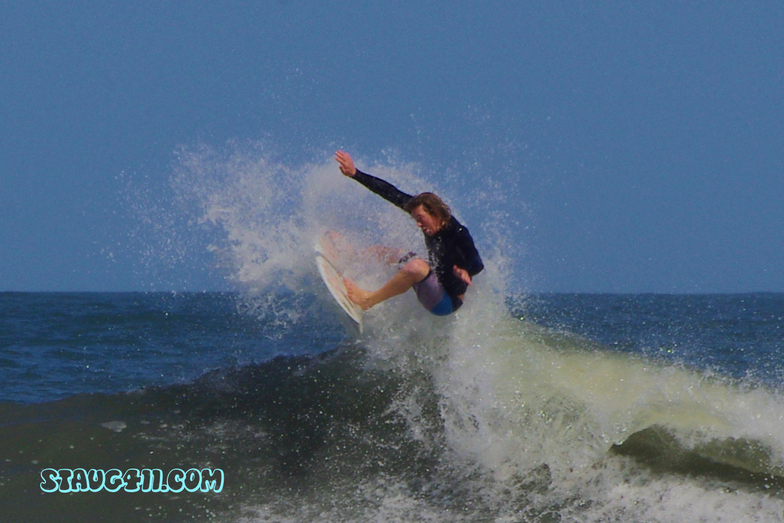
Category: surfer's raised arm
[382,188]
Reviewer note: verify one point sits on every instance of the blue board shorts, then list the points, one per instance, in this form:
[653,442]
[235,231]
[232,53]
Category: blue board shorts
[432,295]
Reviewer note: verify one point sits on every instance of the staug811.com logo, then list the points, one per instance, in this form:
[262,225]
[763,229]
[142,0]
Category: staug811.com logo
[132,480]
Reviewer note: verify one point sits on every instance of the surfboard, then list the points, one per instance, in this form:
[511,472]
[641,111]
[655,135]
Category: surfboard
[326,261]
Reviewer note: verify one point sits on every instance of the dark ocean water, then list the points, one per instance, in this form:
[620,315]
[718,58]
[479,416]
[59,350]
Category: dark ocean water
[552,408]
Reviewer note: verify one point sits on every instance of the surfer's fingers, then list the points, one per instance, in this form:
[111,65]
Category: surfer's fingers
[343,158]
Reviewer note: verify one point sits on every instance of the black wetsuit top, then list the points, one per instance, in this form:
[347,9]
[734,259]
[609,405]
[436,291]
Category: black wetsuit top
[451,245]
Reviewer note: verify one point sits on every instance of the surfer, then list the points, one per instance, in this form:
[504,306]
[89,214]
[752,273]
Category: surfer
[440,282]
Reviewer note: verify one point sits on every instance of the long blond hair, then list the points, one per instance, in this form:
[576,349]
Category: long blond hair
[432,204]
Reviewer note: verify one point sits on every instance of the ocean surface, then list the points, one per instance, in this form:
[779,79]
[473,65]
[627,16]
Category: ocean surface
[529,408]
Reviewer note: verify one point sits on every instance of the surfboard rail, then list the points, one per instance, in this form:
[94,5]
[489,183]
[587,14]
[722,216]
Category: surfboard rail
[333,279]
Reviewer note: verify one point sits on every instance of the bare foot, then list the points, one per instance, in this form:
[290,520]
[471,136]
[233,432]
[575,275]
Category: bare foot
[359,296]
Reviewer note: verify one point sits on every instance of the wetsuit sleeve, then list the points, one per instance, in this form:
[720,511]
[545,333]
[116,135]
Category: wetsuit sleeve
[384,189]
[468,252]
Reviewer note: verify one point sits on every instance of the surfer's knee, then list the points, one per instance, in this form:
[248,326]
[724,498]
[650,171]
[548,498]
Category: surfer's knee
[417,269]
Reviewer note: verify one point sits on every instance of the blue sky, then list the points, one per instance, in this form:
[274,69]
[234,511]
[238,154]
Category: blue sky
[639,146]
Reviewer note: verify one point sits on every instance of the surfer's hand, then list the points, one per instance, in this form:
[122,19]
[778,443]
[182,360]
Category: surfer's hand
[462,274]
[346,163]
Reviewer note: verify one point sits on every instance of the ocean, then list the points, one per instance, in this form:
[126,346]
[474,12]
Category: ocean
[261,407]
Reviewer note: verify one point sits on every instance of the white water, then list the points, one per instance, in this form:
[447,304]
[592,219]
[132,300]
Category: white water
[514,400]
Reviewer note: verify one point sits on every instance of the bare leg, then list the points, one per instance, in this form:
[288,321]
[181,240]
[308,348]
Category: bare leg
[412,272]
